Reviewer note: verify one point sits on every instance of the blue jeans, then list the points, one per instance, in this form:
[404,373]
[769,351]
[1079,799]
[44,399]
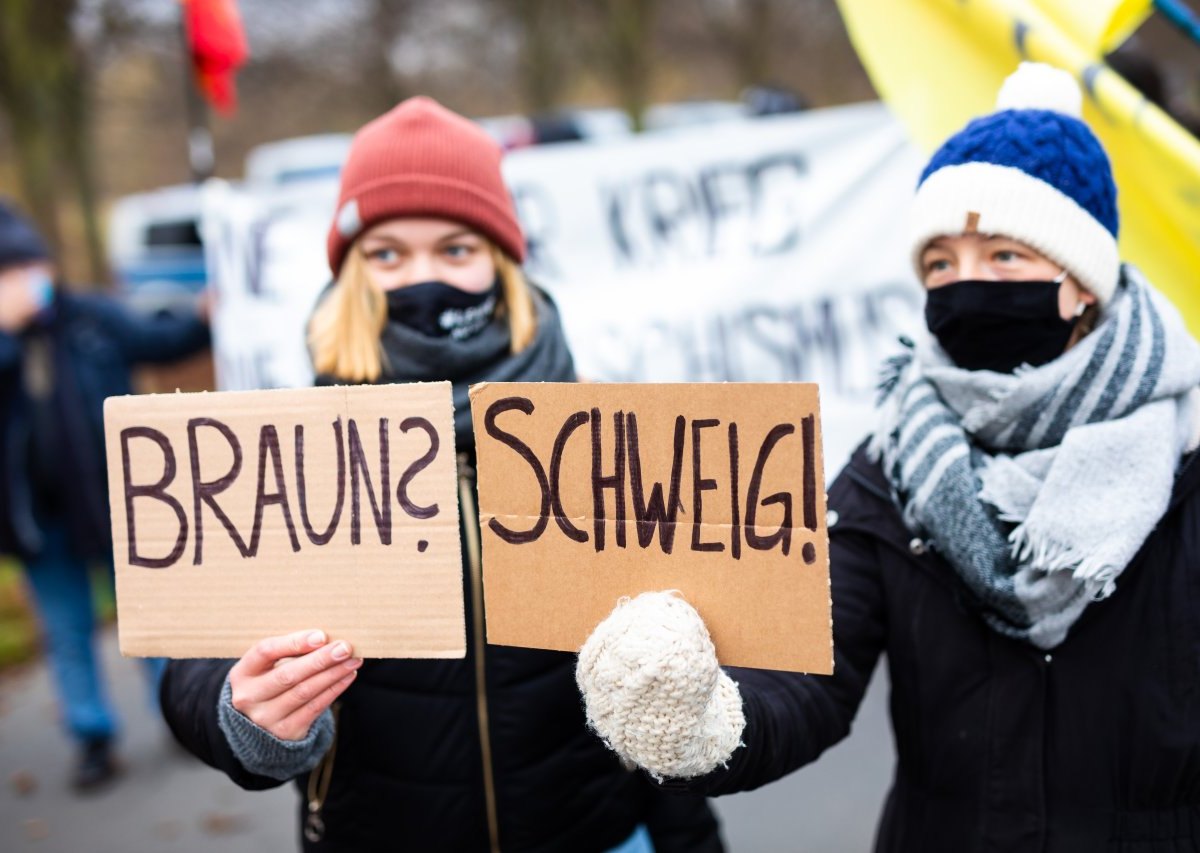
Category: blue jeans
[639,842]
[62,592]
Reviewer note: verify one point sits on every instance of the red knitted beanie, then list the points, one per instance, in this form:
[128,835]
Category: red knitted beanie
[421,159]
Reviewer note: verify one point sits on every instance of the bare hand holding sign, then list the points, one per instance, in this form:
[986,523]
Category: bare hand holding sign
[592,492]
[243,515]
[284,683]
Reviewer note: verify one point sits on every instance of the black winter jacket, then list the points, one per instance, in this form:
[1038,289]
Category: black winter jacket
[93,341]
[409,771]
[1092,747]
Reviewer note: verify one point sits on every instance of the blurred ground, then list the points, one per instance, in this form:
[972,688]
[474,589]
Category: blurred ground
[166,801]
[170,802]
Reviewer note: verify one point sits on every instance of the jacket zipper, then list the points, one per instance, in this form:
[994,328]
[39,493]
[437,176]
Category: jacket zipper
[466,500]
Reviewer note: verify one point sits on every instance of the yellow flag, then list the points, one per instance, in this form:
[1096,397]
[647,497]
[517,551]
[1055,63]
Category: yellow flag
[940,63]
[1098,26]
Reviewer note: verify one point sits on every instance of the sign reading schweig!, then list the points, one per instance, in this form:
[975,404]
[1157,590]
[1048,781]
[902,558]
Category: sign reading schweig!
[590,492]
[242,515]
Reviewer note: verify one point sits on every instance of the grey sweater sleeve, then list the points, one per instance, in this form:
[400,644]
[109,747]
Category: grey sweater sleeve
[261,752]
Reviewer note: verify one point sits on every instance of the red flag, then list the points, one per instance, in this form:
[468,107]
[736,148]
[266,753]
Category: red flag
[217,44]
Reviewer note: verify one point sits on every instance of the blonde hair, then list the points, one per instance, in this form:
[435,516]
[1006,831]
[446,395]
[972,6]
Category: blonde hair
[344,333]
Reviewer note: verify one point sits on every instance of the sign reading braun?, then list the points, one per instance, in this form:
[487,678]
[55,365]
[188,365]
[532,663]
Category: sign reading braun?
[272,485]
[244,515]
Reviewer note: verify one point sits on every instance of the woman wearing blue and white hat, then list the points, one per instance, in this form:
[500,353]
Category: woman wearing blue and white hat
[1020,535]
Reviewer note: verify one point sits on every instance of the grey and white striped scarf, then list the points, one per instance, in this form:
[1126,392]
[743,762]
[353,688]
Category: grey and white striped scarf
[1040,486]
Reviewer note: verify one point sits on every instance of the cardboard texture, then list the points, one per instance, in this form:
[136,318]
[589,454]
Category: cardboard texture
[574,478]
[337,510]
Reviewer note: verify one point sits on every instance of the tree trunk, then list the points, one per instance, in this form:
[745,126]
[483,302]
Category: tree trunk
[388,20]
[543,73]
[77,145]
[743,29]
[630,30]
[753,44]
[37,57]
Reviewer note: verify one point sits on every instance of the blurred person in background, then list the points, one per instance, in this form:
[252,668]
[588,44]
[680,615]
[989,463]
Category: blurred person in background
[61,355]
[486,753]
[1020,535]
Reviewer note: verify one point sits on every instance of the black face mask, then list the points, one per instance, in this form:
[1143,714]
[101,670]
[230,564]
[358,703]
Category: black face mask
[440,310]
[998,325]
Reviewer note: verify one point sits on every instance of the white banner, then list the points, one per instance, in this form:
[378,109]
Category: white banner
[758,250]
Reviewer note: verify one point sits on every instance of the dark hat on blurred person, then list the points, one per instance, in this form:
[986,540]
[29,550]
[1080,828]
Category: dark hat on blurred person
[1033,171]
[421,159]
[20,242]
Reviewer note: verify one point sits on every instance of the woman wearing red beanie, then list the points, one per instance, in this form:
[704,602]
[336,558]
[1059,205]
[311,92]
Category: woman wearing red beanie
[487,753]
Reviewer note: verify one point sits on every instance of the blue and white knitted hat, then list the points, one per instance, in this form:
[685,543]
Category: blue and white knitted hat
[1032,171]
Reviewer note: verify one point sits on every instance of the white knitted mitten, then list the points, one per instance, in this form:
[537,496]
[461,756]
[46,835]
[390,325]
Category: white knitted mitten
[653,690]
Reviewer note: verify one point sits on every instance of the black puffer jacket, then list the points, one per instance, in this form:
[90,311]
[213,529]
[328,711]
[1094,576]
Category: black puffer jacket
[409,770]
[1001,746]
[93,341]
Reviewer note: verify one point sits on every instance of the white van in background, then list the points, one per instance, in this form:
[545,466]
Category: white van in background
[303,158]
[154,246]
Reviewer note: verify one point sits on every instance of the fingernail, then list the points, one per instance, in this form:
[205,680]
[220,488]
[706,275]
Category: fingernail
[341,651]
[316,638]
[353,663]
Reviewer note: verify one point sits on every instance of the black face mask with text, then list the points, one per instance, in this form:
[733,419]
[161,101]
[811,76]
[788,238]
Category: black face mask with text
[998,325]
[440,310]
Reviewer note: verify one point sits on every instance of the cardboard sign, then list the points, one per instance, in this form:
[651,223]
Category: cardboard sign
[591,492]
[242,515]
